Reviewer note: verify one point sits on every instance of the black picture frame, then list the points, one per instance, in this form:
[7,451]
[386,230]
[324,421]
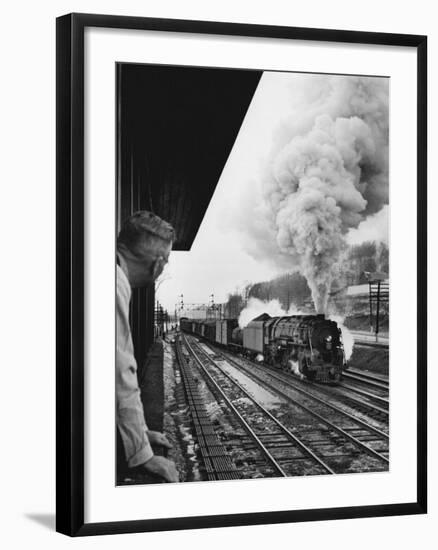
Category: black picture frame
[70,272]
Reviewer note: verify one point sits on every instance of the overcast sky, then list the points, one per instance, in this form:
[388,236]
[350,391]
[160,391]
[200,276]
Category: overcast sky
[218,262]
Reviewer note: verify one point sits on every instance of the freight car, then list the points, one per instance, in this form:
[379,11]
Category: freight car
[224,331]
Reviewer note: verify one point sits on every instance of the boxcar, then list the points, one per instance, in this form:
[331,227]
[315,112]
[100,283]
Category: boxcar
[227,327]
[210,330]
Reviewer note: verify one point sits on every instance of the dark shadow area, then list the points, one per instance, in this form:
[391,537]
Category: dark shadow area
[176,128]
[46,520]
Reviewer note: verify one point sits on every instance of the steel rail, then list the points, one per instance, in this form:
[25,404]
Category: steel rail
[365,339]
[375,345]
[283,428]
[353,439]
[367,377]
[362,380]
[360,402]
[381,400]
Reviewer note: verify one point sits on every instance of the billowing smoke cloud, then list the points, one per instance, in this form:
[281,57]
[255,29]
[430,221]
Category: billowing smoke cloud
[256,307]
[327,173]
[374,228]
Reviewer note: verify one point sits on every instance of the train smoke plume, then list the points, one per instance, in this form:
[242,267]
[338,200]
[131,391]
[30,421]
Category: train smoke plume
[328,172]
[256,307]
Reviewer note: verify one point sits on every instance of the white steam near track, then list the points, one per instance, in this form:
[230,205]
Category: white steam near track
[256,307]
[347,337]
[327,174]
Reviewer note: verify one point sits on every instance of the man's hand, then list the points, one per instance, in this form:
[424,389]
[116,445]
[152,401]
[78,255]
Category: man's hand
[162,467]
[157,438]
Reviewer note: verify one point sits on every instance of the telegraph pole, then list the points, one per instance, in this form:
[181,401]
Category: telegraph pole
[211,308]
[181,308]
[378,295]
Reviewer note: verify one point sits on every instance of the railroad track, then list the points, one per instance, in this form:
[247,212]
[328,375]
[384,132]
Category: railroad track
[217,462]
[364,405]
[382,401]
[335,443]
[374,406]
[374,391]
[376,380]
[366,344]
[284,453]
[286,379]
[366,339]
[329,391]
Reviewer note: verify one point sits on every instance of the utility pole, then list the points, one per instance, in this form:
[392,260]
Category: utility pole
[160,319]
[378,295]
[214,311]
[212,308]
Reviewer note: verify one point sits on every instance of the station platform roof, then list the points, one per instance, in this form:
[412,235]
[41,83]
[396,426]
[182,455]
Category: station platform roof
[177,128]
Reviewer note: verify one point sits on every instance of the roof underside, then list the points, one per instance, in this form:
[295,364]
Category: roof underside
[177,128]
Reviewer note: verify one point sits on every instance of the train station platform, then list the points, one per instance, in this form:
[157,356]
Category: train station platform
[150,380]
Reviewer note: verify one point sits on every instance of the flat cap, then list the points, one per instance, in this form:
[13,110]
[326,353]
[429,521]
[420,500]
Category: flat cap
[151,223]
[143,223]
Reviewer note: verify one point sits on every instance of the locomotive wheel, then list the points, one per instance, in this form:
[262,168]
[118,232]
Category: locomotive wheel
[310,375]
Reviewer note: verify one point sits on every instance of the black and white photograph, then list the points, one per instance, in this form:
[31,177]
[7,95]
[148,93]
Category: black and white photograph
[252,274]
[219,294]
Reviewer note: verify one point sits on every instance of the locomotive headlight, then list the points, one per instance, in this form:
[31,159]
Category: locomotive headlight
[328,342]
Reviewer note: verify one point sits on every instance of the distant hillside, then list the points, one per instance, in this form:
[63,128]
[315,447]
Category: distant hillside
[292,289]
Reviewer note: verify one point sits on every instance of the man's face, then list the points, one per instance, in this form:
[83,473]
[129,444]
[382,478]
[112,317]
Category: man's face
[147,269]
[162,259]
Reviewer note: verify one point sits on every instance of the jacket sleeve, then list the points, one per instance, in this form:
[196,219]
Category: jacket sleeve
[130,416]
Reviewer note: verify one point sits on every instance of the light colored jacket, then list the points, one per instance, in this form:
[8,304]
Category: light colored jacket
[129,409]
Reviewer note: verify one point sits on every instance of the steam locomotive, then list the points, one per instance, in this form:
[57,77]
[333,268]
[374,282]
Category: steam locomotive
[308,346]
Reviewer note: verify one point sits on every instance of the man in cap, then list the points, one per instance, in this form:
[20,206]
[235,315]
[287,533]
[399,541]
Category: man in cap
[143,248]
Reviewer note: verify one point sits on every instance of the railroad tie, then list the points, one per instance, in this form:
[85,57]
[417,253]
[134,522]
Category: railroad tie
[217,462]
